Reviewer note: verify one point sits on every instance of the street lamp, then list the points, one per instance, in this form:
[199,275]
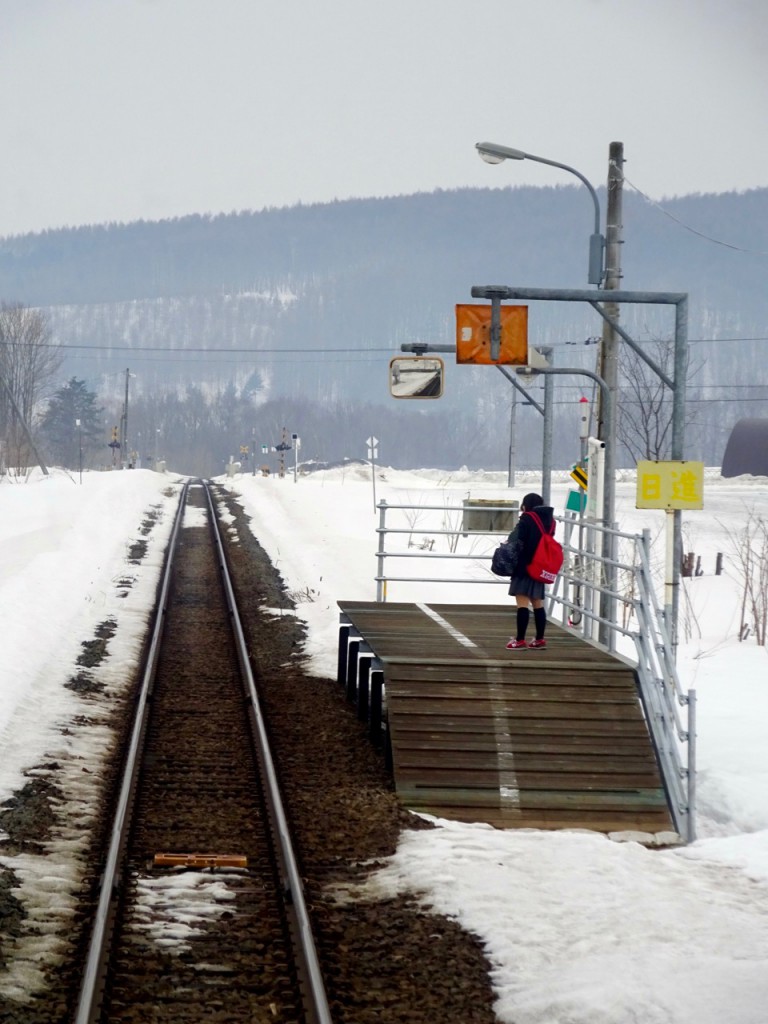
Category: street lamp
[494,154]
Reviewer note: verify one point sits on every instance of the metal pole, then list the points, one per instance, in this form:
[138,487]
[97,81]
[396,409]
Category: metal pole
[691,765]
[512,441]
[678,452]
[549,416]
[546,456]
[381,585]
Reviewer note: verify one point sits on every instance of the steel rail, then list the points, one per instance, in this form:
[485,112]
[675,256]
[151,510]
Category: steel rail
[294,888]
[93,976]
[92,986]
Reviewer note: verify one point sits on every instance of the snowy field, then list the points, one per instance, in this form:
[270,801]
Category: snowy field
[579,929]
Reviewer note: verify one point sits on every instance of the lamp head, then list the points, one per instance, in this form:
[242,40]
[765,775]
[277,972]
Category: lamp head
[495,154]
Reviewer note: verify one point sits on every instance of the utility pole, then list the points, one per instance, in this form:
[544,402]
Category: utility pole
[124,425]
[283,447]
[608,367]
[609,349]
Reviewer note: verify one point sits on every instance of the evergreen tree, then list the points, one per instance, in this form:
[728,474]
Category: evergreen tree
[65,439]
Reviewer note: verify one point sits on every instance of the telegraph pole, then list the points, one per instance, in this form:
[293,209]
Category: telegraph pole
[609,348]
[124,425]
[609,363]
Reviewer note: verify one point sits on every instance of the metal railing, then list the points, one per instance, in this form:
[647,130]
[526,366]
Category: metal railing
[637,632]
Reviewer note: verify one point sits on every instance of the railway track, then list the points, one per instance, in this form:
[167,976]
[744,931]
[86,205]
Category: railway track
[184,912]
[201,914]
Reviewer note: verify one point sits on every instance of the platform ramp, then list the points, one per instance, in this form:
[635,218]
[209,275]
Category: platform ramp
[545,739]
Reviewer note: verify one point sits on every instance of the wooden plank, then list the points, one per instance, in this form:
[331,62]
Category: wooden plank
[543,748]
[477,777]
[200,860]
[635,728]
[652,822]
[488,760]
[514,661]
[542,799]
[500,708]
[471,673]
[492,691]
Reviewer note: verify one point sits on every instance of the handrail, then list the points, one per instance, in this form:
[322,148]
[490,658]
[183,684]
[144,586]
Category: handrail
[574,600]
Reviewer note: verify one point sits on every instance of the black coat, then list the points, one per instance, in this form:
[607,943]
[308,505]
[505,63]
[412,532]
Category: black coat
[526,535]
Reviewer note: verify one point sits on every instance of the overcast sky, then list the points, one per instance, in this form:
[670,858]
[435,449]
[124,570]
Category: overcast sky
[114,110]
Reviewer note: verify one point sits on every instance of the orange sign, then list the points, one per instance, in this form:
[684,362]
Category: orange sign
[473,335]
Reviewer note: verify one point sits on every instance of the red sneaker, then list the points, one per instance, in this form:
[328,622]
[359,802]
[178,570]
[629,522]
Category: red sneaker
[514,644]
[538,643]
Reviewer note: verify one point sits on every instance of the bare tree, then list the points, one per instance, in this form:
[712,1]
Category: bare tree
[645,413]
[750,548]
[28,365]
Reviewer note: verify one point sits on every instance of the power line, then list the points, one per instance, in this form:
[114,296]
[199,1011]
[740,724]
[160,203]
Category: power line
[219,355]
[693,231]
[183,350]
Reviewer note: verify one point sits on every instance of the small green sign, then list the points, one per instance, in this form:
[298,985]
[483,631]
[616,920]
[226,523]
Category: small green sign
[577,501]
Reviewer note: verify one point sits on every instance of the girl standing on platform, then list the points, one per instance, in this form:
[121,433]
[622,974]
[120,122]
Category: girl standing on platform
[526,591]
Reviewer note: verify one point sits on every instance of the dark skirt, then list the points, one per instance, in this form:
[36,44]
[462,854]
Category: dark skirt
[527,587]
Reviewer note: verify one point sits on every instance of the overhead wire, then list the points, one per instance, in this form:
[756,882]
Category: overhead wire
[694,231]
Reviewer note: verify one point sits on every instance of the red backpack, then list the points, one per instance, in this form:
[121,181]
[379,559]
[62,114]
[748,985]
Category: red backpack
[548,557]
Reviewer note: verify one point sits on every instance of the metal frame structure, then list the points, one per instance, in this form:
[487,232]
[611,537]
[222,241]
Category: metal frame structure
[677,383]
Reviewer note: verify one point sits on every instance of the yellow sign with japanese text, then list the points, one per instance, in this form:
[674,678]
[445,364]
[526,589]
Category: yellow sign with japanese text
[670,485]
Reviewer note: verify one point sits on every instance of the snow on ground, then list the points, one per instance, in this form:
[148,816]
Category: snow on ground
[578,928]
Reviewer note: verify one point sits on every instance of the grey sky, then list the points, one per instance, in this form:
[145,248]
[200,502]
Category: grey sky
[114,110]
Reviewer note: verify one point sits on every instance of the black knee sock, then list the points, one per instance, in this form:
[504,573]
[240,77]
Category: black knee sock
[540,618]
[522,622]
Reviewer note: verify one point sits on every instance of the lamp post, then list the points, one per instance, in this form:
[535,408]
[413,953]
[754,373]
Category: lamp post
[495,154]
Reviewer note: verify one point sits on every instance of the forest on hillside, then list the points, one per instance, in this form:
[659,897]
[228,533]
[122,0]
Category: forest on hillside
[231,328]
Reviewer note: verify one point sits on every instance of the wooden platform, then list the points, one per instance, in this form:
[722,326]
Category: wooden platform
[549,739]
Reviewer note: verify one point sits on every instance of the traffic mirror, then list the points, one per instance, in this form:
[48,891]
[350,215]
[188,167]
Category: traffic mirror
[416,377]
